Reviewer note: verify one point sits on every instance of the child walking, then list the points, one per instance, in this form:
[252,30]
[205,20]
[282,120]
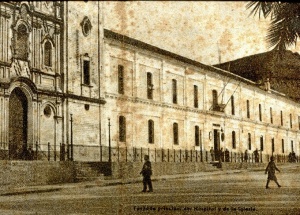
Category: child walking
[271,172]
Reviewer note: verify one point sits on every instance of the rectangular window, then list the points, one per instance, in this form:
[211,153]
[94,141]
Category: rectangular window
[197,136]
[281,118]
[282,145]
[215,99]
[292,145]
[259,112]
[121,79]
[271,115]
[86,72]
[261,143]
[291,121]
[150,131]
[248,109]
[233,140]
[175,134]
[149,86]
[195,96]
[232,105]
[174,91]
[122,129]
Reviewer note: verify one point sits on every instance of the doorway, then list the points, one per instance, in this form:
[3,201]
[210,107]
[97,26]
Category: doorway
[18,123]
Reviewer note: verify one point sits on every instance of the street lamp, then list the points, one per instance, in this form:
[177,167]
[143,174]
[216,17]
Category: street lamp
[109,143]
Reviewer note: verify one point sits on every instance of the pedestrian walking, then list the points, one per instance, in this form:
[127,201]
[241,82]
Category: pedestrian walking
[212,154]
[271,172]
[147,172]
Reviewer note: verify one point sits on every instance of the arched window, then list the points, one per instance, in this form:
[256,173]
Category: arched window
[48,54]
[197,136]
[150,131]
[232,105]
[261,143]
[122,129]
[174,90]
[271,115]
[175,133]
[249,141]
[22,42]
[233,140]
[248,109]
[121,79]
[195,96]
[259,112]
[149,86]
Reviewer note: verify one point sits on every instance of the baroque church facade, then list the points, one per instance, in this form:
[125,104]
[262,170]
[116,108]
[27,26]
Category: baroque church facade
[66,80]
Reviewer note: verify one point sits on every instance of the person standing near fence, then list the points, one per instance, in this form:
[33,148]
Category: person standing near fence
[271,172]
[212,154]
[256,156]
[246,156]
[147,172]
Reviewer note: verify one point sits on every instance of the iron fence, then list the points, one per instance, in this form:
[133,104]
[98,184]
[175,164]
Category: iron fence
[136,154]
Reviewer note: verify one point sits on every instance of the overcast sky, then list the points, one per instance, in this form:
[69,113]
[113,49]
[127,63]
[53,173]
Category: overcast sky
[199,30]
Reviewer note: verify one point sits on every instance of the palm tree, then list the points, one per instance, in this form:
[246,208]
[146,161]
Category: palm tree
[284,28]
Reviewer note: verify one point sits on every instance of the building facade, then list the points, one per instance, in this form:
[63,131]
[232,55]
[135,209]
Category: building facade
[68,81]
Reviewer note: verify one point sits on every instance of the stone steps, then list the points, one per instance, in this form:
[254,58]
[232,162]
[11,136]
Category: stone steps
[86,171]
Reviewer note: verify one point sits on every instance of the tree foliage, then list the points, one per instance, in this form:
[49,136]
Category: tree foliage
[284,28]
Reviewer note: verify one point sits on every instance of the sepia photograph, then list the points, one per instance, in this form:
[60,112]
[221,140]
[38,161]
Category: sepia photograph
[149,107]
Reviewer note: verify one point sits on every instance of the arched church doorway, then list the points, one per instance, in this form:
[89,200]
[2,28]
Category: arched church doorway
[18,123]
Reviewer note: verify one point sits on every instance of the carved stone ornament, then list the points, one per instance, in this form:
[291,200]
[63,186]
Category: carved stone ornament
[86,26]
[20,68]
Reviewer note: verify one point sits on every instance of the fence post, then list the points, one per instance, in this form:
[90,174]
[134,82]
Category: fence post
[100,153]
[162,155]
[118,153]
[36,150]
[126,153]
[174,156]
[141,154]
[48,151]
[196,156]
[180,155]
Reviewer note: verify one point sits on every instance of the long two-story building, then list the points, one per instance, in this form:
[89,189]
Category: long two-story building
[67,80]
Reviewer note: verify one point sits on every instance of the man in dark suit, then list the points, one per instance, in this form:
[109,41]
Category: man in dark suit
[147,172]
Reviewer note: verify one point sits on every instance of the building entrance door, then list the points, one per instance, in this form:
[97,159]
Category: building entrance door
[18,112]
[217,144]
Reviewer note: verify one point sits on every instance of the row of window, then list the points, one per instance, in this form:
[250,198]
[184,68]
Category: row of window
[215,104]
[198,136]
[21,49]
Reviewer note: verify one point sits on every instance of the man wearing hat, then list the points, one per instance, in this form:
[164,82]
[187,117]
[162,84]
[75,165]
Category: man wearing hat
[147,172]
[271,172]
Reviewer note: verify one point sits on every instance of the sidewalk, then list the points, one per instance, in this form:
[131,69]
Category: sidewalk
[8,191]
